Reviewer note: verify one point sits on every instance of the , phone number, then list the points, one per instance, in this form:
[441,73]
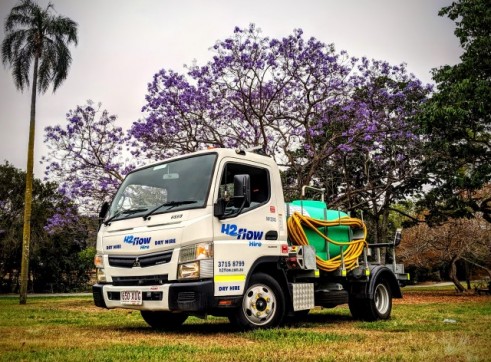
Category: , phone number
[230,263]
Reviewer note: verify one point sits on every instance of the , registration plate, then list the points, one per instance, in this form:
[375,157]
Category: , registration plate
[131,297]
